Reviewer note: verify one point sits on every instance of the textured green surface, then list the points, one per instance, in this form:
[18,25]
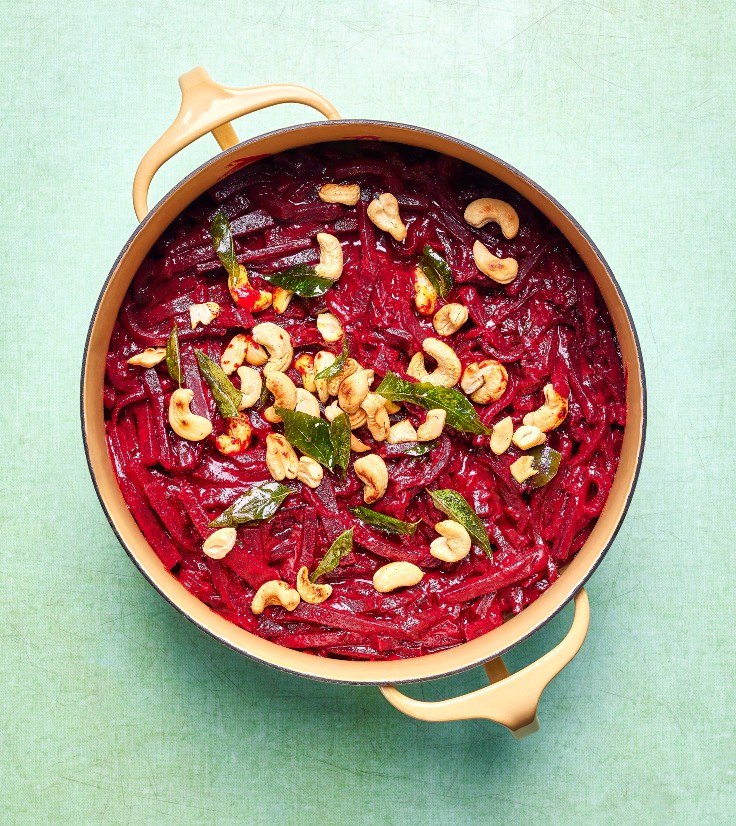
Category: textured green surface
[117,710]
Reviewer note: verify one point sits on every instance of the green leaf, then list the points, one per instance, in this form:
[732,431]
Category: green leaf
[437,271]
[340,437]
[224,243]
[310,435]
[335,368]
[456,506]
[226,395]
[546,462]
[301,279]
[414,448]
[340,547]
[461,414]
[258,503]
[384,522]
[173,357]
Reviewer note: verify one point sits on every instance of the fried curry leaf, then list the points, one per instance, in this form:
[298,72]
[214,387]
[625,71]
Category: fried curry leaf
[301,279]
[173,358]
[258,503]
[546,461]
[340,547]
[456,506]
[437,271]
[384,522]
[310,435]
[224,243]
[226,395]
[340,437]
[461,414]
[334,369]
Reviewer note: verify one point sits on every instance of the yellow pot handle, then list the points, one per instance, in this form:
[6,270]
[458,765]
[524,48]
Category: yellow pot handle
[510,700]
[207,106]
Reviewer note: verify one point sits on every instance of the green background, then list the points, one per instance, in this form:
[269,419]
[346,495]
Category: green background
[114,708]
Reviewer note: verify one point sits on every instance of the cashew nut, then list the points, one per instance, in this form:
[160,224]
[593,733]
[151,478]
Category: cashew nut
[356,445]
[551,414]
[309,472]
[396,575]
[453,544]
[402,431]
[238,436]
[275,592]
[384,213]
[329,327]
[500,270]
[311,592]
[484,381]
[242,348]
[377,416]
[250,387]
[484,210]
[528,436]
[425,294]
[432,426]
[203,313]
[281,460]
[522,469]
[501,436]
[284,395]
[416,368]
[322,361]
[372,472]
[450,318]
[278,344]
[448,370]
[281,299]
[349,367]
[348,194]
[220,543]
[150,357]
[185,423]
[304,365]
[391,407]
[353,390]
[243,294]
[306,402]
[357,419]
[330,257]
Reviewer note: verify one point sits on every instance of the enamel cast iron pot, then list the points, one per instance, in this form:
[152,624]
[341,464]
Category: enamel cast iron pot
[509,700]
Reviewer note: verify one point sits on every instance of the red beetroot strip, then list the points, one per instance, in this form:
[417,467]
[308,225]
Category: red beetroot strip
[549,325]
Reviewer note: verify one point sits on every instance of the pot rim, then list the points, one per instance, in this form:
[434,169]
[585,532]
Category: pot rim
[329,125]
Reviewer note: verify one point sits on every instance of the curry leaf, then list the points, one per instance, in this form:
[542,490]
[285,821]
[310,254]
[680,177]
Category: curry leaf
[173,358]
[301,279]
[340,547]
[258,503]
[335,368]
[546,461]
[456,506]
[224,243]
[340,437]
[408,448]
[437,271]
[227,397]
[384,522]
[310,435]
[461,414]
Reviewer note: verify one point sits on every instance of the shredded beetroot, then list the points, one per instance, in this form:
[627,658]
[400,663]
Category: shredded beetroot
[548,326]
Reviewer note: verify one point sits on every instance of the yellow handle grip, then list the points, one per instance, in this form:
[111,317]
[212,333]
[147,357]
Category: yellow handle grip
[207,106]
[510,700]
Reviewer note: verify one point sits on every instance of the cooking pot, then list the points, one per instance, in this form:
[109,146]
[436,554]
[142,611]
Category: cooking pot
[509,699]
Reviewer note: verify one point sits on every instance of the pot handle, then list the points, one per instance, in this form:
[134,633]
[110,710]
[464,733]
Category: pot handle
[207,106]
[510,700]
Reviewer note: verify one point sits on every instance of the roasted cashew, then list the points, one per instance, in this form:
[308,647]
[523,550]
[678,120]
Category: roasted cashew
[501,436]
[203,313]
[353,390]
[528,436]
[306,402]
[391,407]
[416,368]
[329,327]
[278,344]
[330,257]
[281,460]
[356,445]
[484,381]
[448,370]
[454,542]
[150,357]
[284,395]
[348,194]
[350,367]
[250,386]
[377,416]
[500,270]
[357,419]
[241,349]
[432,426]
[309,471]
[522,469]
[304,365]
[450,318]
[551,414]
[275,592]
[322,361]
[372,472]
[247,296]
[425,294]
[311,592]
[220,543]
[183,422]
[481,212]
[384,213]
[402,431]
[396,575]
[281,299]
[238,436]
